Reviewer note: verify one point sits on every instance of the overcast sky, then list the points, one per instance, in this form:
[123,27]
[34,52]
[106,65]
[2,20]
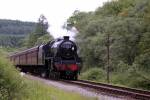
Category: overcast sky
[56,11]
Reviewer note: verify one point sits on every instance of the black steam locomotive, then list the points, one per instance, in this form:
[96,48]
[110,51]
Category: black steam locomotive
[56,59]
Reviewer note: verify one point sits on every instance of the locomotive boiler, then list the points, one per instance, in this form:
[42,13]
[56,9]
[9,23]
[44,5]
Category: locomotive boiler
[55,59]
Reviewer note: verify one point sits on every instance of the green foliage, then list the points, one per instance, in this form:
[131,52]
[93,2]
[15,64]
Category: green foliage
[12,32]
[127,23]
[121,67]
[15,27]
[4,51]
[144,43]
[42,25]
[132,78]
[143,62]
[40,35]
[12,86]
[11,40]
[36,39]
[31,40]
[94,74]
[44,39]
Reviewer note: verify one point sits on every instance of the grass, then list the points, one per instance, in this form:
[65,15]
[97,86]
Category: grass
[40,91]
[12,86]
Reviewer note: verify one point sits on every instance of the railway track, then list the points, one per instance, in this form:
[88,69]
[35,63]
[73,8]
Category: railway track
[113,90]
[110,89]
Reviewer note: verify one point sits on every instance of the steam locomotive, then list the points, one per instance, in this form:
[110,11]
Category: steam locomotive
[55,59]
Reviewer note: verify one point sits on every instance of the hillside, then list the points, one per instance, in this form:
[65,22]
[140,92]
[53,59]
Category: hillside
[12,32]
[16,27]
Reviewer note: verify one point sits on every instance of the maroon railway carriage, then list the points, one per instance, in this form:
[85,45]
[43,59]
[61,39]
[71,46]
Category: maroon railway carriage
[56,59]
[27,59]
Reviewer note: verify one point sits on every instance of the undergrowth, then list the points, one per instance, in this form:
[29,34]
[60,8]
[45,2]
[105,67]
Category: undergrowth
[12,86]
[129,78]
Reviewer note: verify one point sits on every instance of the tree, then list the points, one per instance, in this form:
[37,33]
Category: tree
[127,23]
[40,31]
[42,25]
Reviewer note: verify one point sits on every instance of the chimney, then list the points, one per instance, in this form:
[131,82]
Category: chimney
[66,37]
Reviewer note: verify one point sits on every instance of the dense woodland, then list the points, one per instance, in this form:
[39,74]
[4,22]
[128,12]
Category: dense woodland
[16,27]
[124,27]
[12,32]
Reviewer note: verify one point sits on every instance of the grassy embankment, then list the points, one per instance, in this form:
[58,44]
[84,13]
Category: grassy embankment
[15,87]
[39,91]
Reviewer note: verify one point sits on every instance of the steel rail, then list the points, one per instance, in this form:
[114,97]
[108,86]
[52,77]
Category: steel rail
[113,90]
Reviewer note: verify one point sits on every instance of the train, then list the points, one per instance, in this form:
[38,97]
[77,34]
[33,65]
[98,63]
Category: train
[58,59]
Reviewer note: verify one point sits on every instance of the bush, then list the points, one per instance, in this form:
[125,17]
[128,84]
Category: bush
[121,67]
[12,86]
[143,62]
[94,74]
[132,78]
